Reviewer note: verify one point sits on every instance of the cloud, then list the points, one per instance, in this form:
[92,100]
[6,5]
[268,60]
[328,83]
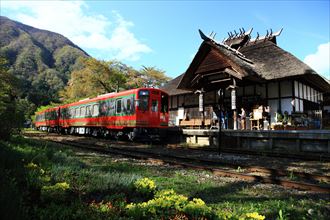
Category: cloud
[320,61]
[74,20]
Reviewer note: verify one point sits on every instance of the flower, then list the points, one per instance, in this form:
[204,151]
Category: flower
[31,166]
[254,215]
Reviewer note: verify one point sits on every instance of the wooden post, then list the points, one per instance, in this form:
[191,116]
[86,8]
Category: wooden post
[233,103]
[201,105]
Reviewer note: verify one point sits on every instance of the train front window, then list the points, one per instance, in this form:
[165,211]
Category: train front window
[143,100]
[164,103]
[154,106]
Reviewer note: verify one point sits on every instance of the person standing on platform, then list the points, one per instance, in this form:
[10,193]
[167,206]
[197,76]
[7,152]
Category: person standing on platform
[243,118]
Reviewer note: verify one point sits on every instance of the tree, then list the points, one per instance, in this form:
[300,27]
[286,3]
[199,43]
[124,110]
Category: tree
[95,78]
[8,114]
[154,77]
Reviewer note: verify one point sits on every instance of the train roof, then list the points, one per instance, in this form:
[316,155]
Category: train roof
[107,96]
[99,97]
[48,109]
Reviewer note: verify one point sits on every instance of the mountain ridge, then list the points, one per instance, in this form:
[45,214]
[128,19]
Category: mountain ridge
[42,60]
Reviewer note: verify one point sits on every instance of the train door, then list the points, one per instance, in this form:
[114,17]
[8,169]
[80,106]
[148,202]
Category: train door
[154,108]
[164,116]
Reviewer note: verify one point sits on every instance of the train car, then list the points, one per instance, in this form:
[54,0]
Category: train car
[132,113]
[48,120]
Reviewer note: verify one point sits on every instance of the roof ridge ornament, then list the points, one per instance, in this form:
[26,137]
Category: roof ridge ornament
[269,35]
[236,52]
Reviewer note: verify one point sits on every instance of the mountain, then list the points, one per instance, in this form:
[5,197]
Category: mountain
[40,59]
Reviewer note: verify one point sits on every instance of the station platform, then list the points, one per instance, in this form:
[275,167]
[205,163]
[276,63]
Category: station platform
[291,141]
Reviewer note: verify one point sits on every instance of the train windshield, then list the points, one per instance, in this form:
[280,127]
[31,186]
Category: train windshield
[143,100]
[164,103]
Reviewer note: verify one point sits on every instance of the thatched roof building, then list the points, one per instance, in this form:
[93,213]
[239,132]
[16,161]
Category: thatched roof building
[260,69]
[259,60]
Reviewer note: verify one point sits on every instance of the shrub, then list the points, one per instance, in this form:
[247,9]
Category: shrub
[35,176]
[57,192]
[197,207]
[167,204]
[252,216]
[145,186]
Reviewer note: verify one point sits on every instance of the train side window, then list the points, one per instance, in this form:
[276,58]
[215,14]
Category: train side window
[128,106]
[154,105]
[72,112]
[112,108]
[88,111]
[103,108]
[96,110]
[132,104]
[77,114]
[118,106]
[83,111]
[164,103]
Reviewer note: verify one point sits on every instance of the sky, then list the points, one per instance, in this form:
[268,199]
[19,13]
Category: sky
[164,34]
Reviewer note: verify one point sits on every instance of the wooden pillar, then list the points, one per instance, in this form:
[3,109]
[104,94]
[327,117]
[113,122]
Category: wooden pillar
[233,104]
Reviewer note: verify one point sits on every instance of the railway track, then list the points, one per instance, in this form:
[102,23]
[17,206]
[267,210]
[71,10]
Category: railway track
[308,182]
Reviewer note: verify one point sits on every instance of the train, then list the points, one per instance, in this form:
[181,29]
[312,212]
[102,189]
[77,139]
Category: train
[135,113]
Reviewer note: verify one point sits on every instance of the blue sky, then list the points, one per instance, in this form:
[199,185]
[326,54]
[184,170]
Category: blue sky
[164,34]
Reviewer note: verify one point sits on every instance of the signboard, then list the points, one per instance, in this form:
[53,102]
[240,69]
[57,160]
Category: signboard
[201,102]
[233,99]
[180,113]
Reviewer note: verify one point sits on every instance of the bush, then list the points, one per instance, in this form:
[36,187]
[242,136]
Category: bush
[145,186]
[168,204]
[57,192]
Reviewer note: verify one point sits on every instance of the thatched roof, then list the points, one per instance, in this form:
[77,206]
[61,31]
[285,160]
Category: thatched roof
[171,87]
[256,61]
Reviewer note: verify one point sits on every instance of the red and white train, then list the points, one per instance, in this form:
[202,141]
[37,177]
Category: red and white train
[133,113]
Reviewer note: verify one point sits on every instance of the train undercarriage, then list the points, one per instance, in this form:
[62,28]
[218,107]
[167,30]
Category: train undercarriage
[132,134]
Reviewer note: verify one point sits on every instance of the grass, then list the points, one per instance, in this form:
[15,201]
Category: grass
[100,187]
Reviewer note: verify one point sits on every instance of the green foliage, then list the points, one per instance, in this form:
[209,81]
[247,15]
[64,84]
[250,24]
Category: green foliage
[154,77]
[57,192]
[11,181]
[9,116]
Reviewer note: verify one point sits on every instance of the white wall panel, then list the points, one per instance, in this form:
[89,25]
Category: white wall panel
[300,90]
[296,89]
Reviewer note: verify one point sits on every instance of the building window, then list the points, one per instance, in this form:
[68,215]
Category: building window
[286,89]
[273,90]
[174,101]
